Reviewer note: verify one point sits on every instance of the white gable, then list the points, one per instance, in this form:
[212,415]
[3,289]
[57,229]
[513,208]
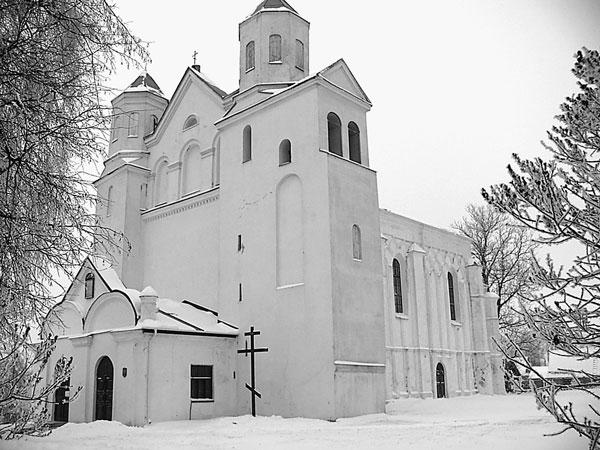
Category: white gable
[339,74]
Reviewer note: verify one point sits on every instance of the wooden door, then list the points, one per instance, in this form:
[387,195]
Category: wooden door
[104,389]
[61,402]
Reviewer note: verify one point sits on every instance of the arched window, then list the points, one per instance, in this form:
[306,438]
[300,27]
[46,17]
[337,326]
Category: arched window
[451,298]
[354,142]
[115,130]
[153,123]
[356,243]
[247,144]
[299,55]
[334,134]
[190,122]
[192,167]
[285,152]
[161,184]
[89,285]
[275,48]
[133,124]
[440,381]
[250,56]
[397,275]
[109,200]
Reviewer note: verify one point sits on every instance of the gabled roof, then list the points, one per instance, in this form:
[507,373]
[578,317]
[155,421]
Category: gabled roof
[220,92]
[191,76]
[144,82]
[273,4]
[180,316]
[338,75]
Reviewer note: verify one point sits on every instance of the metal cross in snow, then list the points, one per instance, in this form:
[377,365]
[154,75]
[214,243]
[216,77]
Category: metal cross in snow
[252,350]
[194,56]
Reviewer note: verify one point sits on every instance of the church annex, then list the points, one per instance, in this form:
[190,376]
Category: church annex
[259,208]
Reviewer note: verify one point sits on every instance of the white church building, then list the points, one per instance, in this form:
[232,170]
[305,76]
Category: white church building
[258,208]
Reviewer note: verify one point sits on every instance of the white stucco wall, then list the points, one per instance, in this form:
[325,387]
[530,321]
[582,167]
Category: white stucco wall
[295,376]
[424,335]
[156,385]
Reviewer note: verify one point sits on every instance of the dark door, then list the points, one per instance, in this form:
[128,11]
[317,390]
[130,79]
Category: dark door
[61,402]
[440,381]
[104,389]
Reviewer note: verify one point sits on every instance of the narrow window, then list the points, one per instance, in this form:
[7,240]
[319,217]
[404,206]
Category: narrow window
[250,56]
[275,48]
[334,134]
[247,146]
[154,120]
[451,296]
[285,152]
[89,285]
[440,381]
[397,287]
[133,124]
[161,184]
[239,242]
[299,55]
[356,243]
[240,292]
[201,382]
[115,130]
[354,142]
[109,201]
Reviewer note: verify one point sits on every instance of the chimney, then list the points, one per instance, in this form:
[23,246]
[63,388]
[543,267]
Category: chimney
[149,298]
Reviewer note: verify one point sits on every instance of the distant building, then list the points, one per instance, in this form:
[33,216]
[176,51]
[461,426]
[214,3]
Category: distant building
[258,208]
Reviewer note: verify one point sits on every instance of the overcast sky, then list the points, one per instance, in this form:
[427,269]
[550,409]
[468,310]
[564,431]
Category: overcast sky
[457,85]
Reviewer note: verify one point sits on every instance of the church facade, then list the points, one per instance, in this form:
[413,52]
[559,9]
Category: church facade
[258,208]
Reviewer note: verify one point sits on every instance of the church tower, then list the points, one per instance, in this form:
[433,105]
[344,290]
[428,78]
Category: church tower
[273,45]
[123,186]
[300,249]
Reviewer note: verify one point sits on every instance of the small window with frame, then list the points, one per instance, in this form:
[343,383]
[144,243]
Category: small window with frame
[201,383]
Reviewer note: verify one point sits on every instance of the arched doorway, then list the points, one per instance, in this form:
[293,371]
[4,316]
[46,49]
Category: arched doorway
[440,381]
[104,389]
[61,402]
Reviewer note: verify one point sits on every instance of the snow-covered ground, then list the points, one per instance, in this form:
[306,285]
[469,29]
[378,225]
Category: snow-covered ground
[479,422]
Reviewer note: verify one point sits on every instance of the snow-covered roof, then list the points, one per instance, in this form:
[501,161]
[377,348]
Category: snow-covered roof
[196,70]
[144,82]
[258,94]
[186,316]
[274,5]
[118,308]
[108,274]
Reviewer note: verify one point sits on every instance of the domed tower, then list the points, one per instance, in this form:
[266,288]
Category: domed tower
[274,45]
[122,188]
[136,112]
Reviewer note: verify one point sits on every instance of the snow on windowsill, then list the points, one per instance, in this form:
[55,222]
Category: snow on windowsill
[401,316]
[456,323]
[356,363]
[289,286]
